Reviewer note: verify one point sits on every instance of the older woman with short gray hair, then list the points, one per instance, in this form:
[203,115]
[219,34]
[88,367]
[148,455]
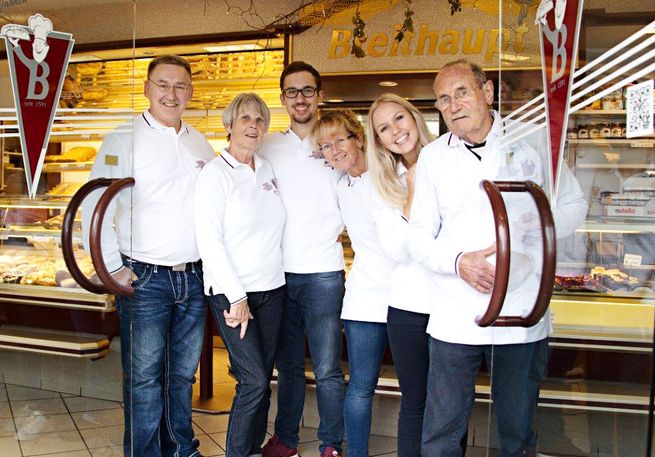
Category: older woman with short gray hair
[239,221]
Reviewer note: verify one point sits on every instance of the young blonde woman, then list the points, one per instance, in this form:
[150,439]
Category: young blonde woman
[340,138]
[396,133]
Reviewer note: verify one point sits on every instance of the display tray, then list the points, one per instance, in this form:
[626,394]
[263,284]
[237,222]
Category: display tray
[611,282]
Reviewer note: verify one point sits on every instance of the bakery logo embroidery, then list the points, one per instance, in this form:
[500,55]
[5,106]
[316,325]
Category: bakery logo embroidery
[38,59]
[271,185]
[200,164]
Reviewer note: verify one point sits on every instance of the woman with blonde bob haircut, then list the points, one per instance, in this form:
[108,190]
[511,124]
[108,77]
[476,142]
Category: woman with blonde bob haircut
[397,132]
[341,139]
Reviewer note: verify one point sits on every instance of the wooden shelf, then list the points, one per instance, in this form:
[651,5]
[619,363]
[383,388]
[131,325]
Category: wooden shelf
[612,166]
[596,112]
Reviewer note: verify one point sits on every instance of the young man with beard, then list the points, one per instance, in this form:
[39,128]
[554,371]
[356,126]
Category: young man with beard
[149,241]
[313,265]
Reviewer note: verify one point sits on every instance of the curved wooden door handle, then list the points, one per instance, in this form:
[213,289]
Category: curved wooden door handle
[95,238]
[67,235]
[501,278]
[549,246]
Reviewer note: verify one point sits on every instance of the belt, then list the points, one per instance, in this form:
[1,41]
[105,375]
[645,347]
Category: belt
[186,266]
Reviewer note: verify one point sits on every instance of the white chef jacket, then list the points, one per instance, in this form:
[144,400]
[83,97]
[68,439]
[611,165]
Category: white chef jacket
[308,186]
[153,222]
[451,214]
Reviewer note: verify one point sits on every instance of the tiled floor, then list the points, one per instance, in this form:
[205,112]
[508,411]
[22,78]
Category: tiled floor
[37,422]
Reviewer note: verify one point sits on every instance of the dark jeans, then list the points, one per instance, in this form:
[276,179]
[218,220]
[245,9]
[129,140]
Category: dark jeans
[366,342]
[251,359]
[162,328]
[411,357]
[517,371]
[313,306]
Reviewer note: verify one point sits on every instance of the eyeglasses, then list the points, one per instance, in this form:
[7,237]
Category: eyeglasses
[327,147]
[181,87]
[463,94]
[292,92]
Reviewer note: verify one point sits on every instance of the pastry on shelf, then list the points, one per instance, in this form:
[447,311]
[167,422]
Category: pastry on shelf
[76,154]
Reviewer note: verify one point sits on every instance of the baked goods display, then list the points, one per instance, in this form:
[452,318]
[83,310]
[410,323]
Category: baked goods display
[65,189]
[600,279]
[76,154]
[19,267]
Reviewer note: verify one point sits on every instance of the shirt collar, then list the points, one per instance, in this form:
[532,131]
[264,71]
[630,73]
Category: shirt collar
[234,163]
[156,125]
[495,132]
[401,169]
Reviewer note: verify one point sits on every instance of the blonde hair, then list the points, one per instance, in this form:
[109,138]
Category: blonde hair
[382,163]
[331,121]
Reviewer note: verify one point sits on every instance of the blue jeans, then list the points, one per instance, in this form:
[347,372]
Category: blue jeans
[517,371]
[411,357]
[251,359]
[162,328]
[366,342]
[313,305]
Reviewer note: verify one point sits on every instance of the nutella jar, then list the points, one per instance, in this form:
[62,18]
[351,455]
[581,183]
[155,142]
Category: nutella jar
[624,130]
[594,131]
[605,131]
[615,130]
[572,133]
[583,131]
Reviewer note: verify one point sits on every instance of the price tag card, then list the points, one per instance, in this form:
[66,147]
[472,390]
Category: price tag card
[632,260]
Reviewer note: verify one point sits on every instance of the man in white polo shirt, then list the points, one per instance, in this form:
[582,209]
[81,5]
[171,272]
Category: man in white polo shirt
[313,263]
[148,239]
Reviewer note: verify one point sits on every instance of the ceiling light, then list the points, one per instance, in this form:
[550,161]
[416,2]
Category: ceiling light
[234,47]
[388,83]
[335,100]
[83,58]
[514,58]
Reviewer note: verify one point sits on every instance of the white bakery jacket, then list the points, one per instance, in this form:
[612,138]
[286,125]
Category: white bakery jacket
[411,284]
[451,214]
[308,186]
[153,221]
[239,222]
[369,280]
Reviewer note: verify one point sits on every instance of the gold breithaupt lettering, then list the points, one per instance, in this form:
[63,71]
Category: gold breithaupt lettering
[339,44]
[485,42]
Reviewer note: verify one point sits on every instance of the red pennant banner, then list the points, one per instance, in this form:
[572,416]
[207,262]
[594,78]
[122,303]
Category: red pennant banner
[559,27]
[38,59]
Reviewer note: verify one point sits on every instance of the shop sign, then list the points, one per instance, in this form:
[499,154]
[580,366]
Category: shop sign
[366,40]
[559,27]
[38,58]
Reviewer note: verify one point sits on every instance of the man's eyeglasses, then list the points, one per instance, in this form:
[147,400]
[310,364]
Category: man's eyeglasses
[292,92]
[180,87]
[463,94]
[328,147]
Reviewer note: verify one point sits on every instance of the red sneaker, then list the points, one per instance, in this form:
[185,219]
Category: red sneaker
[276,448]
[330,452]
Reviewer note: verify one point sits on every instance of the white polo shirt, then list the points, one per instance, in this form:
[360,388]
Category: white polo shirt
[369,280]
[411,284]
[452,214]
[239,222]
[308,186]
[154,220]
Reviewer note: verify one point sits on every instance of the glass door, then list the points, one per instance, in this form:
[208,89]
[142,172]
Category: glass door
[60,363]
[578,382]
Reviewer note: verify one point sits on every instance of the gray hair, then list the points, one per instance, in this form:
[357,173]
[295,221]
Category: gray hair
[478,72]
[246,98]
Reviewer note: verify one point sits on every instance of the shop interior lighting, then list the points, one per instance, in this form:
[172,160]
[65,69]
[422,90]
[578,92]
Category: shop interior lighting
[388,83]
[513,57]
[234,47]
